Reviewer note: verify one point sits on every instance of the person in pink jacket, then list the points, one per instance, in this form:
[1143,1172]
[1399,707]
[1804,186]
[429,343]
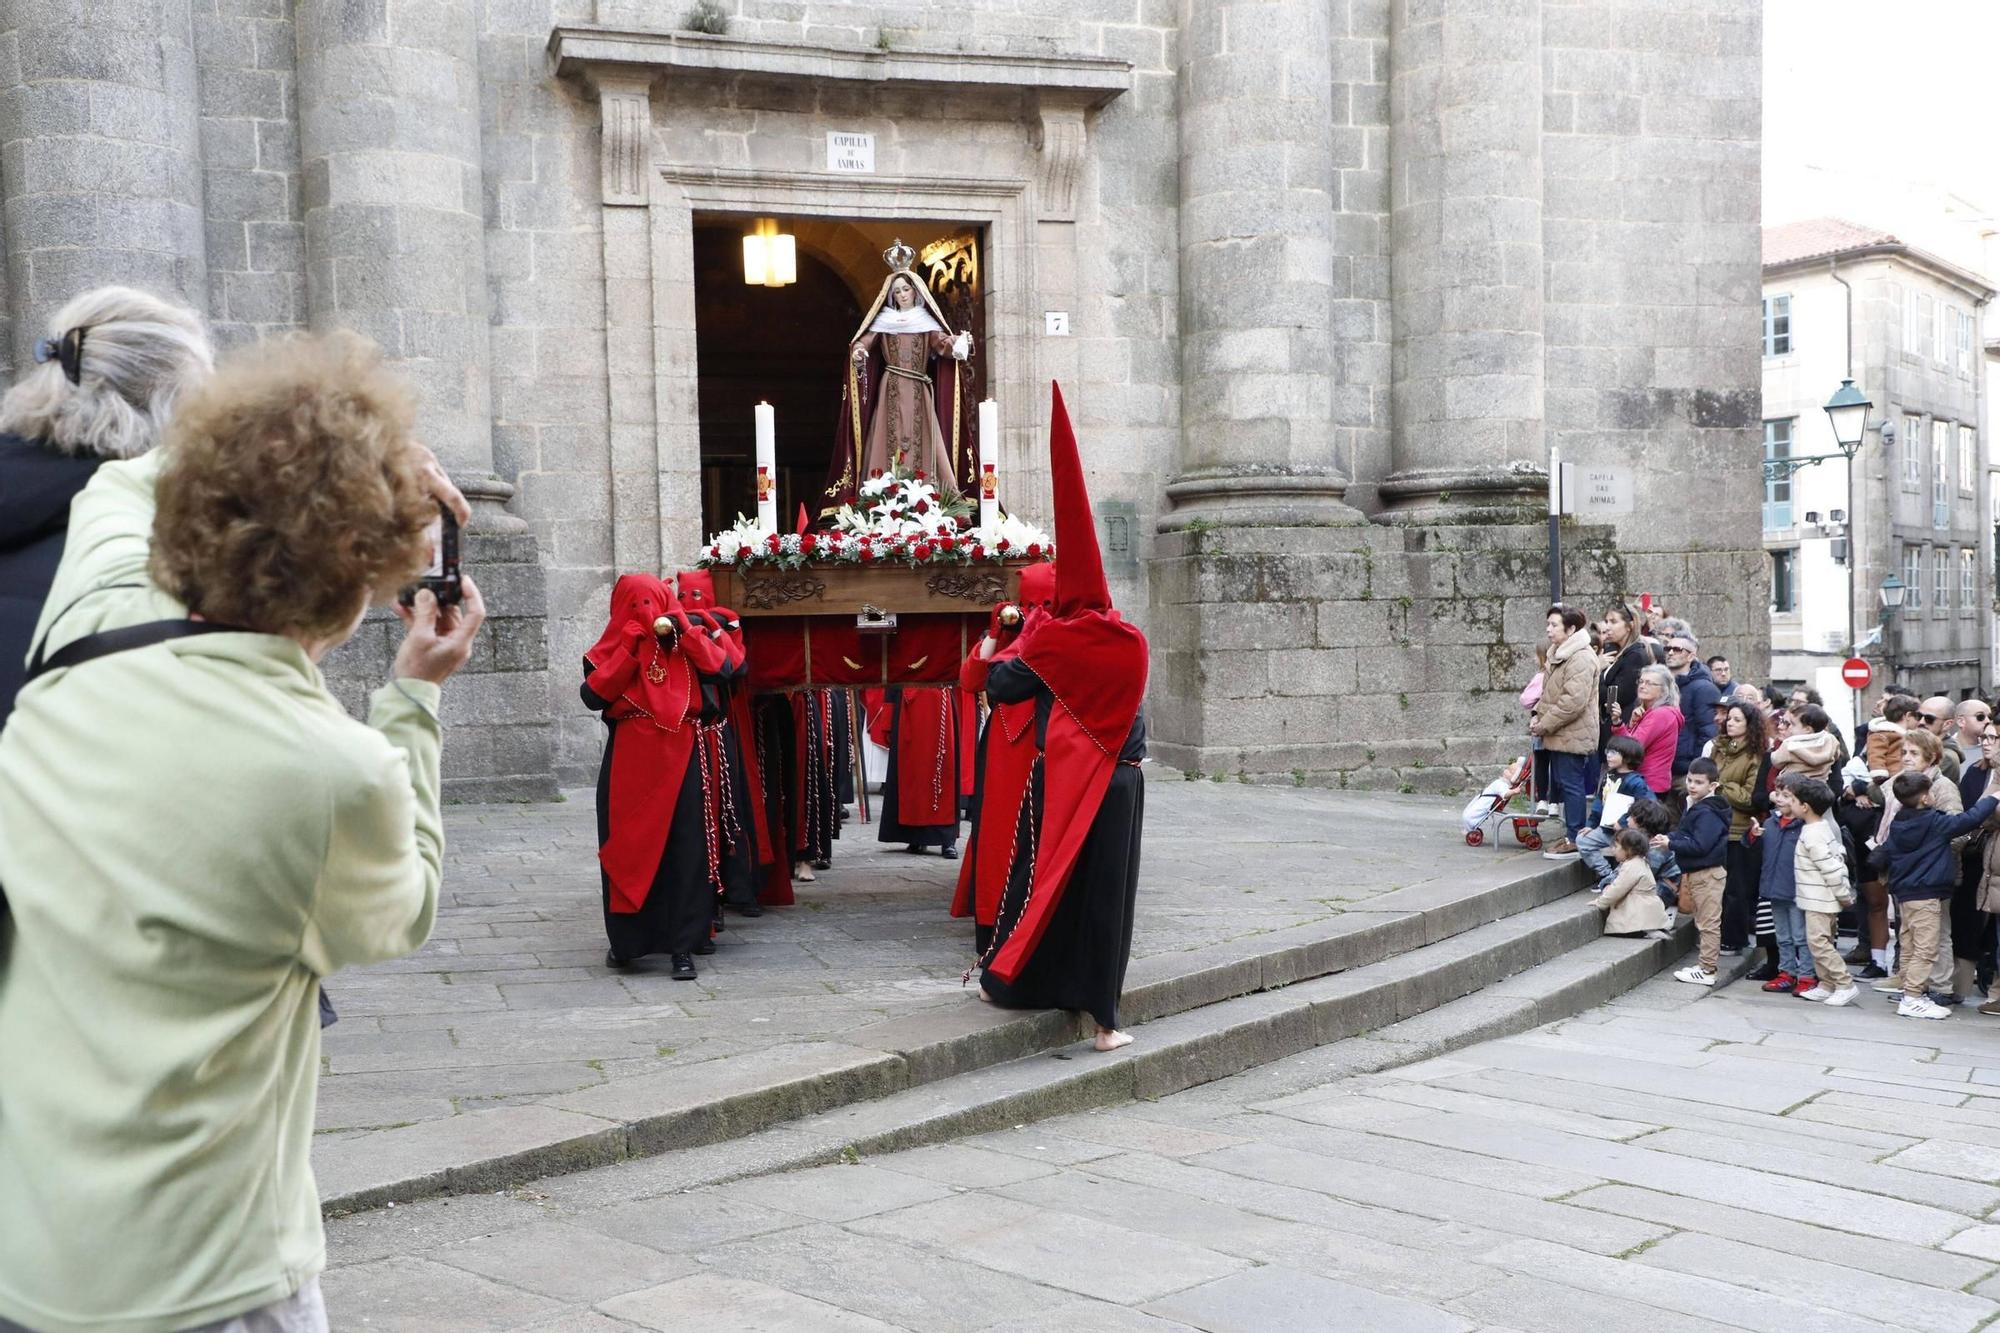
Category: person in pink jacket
[1656,724]
[1543,784]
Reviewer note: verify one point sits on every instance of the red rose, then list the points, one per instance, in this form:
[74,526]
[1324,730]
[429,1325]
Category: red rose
[920,476]
[978,552]
[922,550]
[1034,551]
[1001,546]
[867,554]
[874,473]
[867,539]
[945,541]
[807,543]
[771,542]
[923,506]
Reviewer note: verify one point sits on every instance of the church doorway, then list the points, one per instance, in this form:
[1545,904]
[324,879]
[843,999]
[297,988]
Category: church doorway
[787,346]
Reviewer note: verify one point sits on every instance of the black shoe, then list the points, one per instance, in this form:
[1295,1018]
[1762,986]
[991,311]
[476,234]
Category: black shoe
[1946,1001]
[1762,972]
[705,948]
[751,908]
[613,961]
[823,865]
[684,967]
[948,853]
[1858,956]
[1872,972]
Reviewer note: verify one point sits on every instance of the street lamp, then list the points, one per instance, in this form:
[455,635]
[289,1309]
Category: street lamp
[1892,592]
[1848,411]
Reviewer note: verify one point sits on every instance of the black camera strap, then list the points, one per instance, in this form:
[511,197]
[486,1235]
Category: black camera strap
[102,644]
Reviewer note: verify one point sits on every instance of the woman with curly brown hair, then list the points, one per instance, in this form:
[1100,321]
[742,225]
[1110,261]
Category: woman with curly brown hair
[193,834]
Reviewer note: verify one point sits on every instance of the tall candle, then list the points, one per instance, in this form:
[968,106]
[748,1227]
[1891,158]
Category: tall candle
[767,468]
[989,463]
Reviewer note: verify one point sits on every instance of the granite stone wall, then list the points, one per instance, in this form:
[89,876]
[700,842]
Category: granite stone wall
[1324,292]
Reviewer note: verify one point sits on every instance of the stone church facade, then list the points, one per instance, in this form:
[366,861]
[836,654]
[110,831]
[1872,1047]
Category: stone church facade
[1337,275]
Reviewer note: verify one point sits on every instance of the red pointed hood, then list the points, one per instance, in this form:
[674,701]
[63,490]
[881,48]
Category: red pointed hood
[1038,587]
[697,589]
[1080,584]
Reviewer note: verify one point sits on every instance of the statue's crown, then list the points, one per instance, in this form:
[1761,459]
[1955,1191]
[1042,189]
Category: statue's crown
[898,256]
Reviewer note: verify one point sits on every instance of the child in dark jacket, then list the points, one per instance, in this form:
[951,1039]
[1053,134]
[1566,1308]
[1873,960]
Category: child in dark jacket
[1623,785]
[1700,844]
[1922,869]
[1778,886]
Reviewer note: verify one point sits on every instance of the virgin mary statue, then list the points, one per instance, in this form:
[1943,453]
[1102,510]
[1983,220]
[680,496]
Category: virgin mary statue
[901,401]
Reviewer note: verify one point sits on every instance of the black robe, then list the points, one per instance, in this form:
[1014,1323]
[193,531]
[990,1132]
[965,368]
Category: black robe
[1081,959]
[678,909]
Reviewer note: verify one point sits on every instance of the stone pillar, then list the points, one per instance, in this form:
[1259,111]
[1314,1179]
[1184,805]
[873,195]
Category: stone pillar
[100,154]
[1258,193]
[1465,115]
[395,226]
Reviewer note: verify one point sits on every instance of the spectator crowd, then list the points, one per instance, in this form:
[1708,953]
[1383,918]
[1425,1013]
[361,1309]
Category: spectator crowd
[1685,791]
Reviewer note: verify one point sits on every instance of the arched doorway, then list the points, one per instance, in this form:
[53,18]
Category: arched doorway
[778,345]
[787,346]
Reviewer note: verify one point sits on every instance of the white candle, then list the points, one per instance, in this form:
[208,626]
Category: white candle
[989,463]
[767,467]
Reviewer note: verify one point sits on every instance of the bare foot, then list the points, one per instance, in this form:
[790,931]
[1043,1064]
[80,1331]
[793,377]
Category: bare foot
[804,874]
[1109,1039]
[984,998]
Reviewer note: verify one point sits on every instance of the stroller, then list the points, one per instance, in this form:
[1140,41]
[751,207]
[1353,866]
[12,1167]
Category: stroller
[1486,813]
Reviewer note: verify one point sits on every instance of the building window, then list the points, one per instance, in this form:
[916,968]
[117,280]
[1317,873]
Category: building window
[1920,325]
[1913,451]
[1940,579]
[1963,344]
[1940,474]
[1777,488]
[1968,580]
[1913,577]
[1784,581]
[1968,461]
[1777,325]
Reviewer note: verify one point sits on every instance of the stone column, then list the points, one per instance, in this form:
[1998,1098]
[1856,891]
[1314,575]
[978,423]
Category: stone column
[395,226]
[100,154]
[1258,193]
[1465,138]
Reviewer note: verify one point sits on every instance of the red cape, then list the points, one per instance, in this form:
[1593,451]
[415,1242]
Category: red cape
[653,696]
[1094,663]
[1007,762]
[929,757]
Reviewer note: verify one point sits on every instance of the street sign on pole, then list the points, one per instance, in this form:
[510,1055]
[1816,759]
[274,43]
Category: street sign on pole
[1856,673]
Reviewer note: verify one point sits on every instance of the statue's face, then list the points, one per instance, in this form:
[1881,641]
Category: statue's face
[901,294]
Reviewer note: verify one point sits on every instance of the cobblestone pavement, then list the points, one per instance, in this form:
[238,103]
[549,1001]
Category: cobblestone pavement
[510,1001]
[1676,1161]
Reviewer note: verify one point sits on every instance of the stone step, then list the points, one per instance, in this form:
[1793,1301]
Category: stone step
[1316,1032]
[1439,945]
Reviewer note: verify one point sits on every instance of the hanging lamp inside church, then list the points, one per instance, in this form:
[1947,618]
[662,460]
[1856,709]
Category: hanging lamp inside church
[770,257]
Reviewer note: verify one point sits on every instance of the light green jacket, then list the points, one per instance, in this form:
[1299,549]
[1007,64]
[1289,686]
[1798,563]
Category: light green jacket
[191,836]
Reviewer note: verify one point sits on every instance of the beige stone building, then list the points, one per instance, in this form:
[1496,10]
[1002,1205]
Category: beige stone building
[1323,280]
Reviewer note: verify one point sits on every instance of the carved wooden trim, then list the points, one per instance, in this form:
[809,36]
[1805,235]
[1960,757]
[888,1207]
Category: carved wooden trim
[984,586]
[767,591]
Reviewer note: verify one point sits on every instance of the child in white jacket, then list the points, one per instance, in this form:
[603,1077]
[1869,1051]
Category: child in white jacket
[1819,870]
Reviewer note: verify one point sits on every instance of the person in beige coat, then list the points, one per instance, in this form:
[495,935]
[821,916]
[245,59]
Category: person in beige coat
[1821,888]
[1566,720]
[1811,751]
[1631,906]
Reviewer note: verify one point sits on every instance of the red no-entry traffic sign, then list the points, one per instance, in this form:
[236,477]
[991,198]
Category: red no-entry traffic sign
[1856,673]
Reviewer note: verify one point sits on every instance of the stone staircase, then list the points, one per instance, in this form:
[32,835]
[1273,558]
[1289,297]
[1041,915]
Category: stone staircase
[1417,971]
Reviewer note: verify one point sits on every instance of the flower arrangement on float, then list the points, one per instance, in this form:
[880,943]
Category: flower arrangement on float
[899,518]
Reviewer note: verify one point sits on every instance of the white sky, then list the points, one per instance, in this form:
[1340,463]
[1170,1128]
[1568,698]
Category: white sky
[1880,112]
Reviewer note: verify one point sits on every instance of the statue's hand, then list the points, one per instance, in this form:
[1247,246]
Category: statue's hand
[859,354]
[961,347]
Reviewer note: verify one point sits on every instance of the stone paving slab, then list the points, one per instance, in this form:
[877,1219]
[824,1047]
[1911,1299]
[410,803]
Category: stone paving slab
[1534,1183]
[850,994]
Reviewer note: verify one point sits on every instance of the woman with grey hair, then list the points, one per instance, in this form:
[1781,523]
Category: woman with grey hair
[115,362]
[1656,724]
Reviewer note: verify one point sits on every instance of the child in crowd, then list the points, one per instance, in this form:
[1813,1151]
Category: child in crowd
[1629,904]
[1543,783]
[1885,737]
[1609,811]
[1778,885]
[1917,859]
[1699,845]
[1819,872]
[1653,819]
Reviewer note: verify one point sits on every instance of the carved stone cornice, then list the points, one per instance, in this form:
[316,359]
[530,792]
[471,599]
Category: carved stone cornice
[591,52]
[627,106]
[1060,136]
